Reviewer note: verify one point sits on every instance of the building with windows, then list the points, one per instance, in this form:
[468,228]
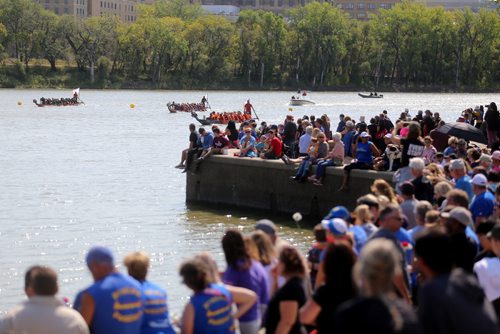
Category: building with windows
[76,8]
[360,9]
[125,9]
[475,5]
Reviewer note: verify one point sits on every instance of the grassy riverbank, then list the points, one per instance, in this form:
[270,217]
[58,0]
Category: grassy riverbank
[39,75]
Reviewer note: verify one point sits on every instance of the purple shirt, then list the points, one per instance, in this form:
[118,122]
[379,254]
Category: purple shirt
[255,279]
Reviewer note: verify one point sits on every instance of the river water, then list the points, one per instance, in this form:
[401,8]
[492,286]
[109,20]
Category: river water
[103,173]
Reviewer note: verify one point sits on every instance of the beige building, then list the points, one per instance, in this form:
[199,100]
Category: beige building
[475,5]
[360,9]
[125,9]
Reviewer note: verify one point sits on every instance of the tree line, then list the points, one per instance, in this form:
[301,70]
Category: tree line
[175,44]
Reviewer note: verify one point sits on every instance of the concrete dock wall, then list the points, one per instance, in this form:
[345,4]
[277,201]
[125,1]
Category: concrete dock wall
[266,185]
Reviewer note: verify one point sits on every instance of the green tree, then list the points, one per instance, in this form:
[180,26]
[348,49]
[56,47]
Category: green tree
[51,40]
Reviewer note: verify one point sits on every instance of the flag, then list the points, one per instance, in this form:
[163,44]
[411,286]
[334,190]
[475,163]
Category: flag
[76,91]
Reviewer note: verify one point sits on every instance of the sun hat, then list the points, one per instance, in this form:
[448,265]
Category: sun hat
[336,226]
[461,215]
[99,254]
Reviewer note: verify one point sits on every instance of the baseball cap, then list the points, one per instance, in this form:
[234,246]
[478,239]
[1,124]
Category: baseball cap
[479,180]
[496,155]
[457,164]
[336,226]
[495,232]
[462,215]
[266,226]
[99,254]
[338,212]
[364,135]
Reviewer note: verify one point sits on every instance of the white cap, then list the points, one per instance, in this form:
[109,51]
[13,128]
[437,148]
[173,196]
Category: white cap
[462,215]
[479,180]
[364,135]
[336,226]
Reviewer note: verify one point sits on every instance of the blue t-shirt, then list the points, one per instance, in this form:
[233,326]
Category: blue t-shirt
[213,311]
[207,140]
[405,239]
[156,316]
[254,278]
[449,150]
[414,231]
[464,184]
[482,205]
[364,152]
[360,237]
[347,139]
[119,305]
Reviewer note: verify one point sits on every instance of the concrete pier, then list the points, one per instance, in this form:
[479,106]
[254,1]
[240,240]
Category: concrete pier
[224,180]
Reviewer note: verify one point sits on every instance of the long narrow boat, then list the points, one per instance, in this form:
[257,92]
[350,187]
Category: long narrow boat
[186,107]
[236,116]
[371,96]
[58,103]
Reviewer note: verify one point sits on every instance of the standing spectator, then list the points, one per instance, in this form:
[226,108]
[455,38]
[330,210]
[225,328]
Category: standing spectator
[428,123]
[482,231]
[267,255]
[409,203]
[193,144]
[337,264]
[487,271]
[283,311]
[429,153]
[424,190]
[452,146]
[412,145]
[461,149]
[363,218]
[43,312]
[209,309]
[341,125]
[314,253]
[464,250]
[492,118]
[484,201]
[391,220]
[462,180]
[378,310]
[244,272]
[348,139]
[114,303]
[290,135]
[156,312]
[449,301]
[441,189]
[305,141]
[420,212]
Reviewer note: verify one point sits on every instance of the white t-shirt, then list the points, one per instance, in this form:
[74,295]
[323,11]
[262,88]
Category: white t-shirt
[488,274]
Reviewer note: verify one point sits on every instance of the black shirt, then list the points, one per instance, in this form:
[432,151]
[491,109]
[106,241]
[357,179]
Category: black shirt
[411,148]
[193,138]
[464,251]
[424,190]
[374,316]
[330,298]
[293,290]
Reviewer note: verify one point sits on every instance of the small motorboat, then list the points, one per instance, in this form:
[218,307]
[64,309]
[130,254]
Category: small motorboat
[301,102]
[371,96]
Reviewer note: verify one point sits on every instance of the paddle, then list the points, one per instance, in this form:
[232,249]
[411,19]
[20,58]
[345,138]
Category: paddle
[255,113]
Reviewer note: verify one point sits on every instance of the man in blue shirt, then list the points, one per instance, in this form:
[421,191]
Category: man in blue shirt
[462,180]
[484,202]
[348,139]
[115,302]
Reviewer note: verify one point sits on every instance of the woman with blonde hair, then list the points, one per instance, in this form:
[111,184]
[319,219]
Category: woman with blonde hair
[382,187]
[363,218]
[441,189]
[334,158]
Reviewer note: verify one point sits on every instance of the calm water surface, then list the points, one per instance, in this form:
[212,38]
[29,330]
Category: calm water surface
[103,174]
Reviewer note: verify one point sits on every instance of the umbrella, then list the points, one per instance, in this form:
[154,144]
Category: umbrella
[463,130]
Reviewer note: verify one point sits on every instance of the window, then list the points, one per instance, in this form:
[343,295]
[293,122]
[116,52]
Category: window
[361,15]
[371,6]
[361,5]
[66,10]
[349,6]
[56,10]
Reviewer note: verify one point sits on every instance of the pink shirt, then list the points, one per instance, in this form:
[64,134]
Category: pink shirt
[429,154]
[338,150]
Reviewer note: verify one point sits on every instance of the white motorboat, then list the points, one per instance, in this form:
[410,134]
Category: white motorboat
[301,102]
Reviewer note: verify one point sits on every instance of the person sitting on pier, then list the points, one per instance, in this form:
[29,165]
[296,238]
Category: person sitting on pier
[247,144]
[205,141]
[219,144]
[365,151]
[334,158]
[275,149]
[317,150]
